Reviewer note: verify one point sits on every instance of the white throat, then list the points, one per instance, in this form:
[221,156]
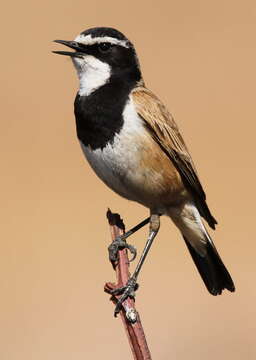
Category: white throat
[92,74]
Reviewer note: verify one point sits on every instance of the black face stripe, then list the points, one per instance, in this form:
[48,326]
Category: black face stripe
[92,49]
[117,55]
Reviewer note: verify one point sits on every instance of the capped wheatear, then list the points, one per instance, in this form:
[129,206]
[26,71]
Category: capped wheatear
[134,145]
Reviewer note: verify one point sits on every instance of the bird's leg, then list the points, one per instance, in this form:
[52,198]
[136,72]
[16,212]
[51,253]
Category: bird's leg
[132,286]
[120,243]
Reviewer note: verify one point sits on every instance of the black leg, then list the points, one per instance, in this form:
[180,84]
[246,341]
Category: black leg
[136,228]
[131,287]
[120,243]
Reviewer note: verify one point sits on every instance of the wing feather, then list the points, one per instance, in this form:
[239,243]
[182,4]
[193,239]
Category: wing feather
[165,132]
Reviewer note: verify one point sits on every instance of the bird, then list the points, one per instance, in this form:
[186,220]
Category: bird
[133,144]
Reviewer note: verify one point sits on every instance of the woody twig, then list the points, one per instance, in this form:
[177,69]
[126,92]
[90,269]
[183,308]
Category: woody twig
[130,316]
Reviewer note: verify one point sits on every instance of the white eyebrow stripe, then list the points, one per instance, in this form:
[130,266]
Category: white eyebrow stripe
[88,40]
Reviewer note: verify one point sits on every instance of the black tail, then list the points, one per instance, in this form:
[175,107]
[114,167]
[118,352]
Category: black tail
[212,270]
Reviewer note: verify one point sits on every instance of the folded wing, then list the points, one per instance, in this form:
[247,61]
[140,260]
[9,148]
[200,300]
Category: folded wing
[165,132]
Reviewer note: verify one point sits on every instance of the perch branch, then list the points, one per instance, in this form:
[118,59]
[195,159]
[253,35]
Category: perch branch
[130,316]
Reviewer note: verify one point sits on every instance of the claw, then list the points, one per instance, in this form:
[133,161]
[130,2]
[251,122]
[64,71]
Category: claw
[116,245]
[133,251]
[118,291]
[126,291]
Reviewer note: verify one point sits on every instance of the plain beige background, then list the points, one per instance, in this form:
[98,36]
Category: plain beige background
[199,57]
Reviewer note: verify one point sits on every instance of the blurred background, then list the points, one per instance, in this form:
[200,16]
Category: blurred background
[199,57]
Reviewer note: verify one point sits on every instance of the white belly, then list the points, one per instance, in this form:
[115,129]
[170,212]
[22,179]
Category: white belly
[118,164]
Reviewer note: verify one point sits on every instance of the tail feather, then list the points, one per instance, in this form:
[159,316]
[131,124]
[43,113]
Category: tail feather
[211,268]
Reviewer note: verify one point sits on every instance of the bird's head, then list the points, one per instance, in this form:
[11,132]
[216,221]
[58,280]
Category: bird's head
[101,54]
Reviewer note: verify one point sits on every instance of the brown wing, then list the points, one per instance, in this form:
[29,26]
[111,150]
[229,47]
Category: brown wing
[165,132]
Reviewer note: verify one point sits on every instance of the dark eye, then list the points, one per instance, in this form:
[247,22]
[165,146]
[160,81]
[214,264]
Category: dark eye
[104,47]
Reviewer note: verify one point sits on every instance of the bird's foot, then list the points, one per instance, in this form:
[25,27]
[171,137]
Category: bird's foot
[118,244]
[125,292]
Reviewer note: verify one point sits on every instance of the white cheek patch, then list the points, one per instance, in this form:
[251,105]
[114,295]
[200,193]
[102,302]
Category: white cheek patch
[89,40]
[92,73]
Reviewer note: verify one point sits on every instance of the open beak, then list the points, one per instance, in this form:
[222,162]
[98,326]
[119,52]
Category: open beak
[73,45]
